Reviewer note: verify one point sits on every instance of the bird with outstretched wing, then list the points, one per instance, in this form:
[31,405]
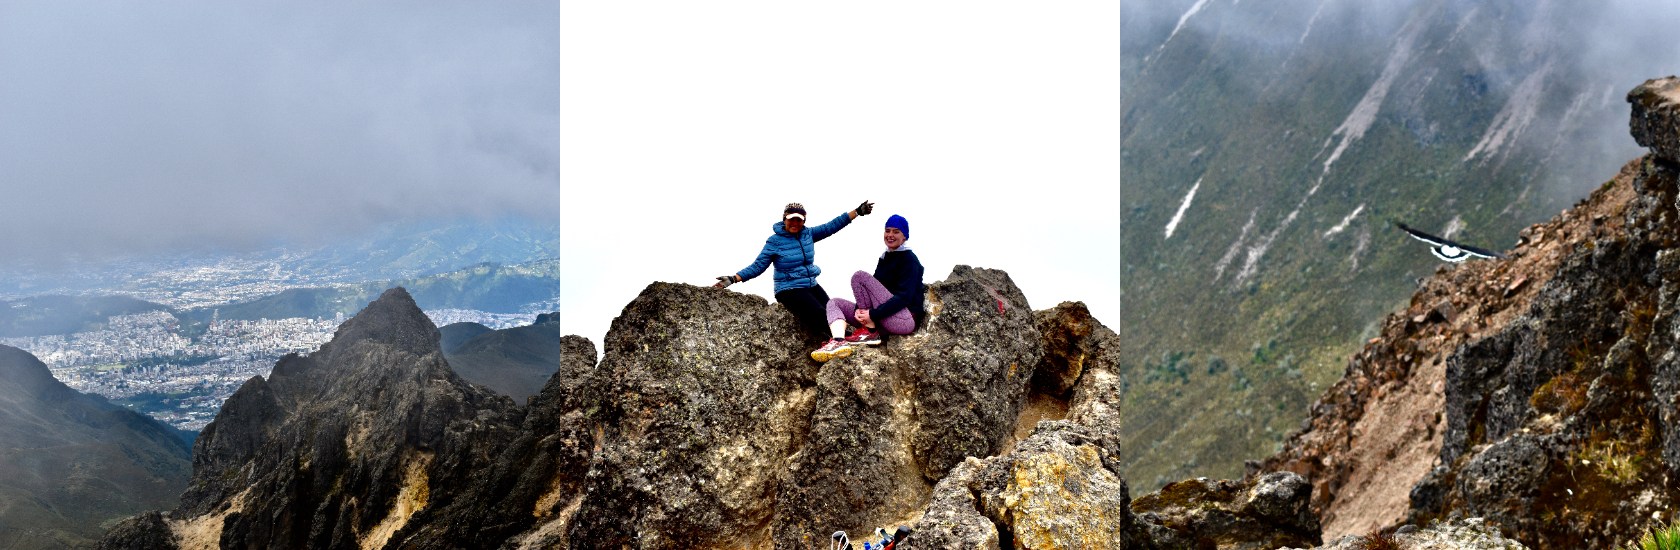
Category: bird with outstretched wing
[1449,250]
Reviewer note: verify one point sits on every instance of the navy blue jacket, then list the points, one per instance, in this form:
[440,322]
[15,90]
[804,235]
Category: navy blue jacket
[794,254]
[901,272]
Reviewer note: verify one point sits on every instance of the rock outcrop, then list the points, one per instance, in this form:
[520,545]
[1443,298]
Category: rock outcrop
[1537,393]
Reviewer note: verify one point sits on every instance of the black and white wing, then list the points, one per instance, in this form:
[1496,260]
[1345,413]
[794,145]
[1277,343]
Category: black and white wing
[1449,250]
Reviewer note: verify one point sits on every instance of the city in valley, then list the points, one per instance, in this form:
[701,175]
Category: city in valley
[143,362]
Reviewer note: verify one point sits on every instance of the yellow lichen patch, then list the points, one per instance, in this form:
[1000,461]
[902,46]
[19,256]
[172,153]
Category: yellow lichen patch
[1055,502]
[412,498]
[553,532]
[205,532]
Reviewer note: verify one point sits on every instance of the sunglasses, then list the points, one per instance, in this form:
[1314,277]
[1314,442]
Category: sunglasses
[794,217]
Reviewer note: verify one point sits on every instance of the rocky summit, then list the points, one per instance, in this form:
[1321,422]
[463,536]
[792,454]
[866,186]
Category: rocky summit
[704,424]
[337,449]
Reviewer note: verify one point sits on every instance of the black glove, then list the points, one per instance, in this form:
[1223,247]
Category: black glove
[865,208]
[725,281]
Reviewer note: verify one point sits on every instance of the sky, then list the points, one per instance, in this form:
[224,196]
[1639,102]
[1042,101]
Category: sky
[685,127]
[132,128]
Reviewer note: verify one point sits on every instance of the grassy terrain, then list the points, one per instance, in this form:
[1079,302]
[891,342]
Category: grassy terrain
[1222,364]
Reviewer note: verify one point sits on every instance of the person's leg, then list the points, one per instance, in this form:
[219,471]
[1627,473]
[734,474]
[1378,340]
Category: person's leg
[840,316]
[804,305]
[871,293]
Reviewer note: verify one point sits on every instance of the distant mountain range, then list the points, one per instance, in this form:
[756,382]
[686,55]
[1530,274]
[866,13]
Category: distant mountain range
[491,287]
[392,252]
[429,248]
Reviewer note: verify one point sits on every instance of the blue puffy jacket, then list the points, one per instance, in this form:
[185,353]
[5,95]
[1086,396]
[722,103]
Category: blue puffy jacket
[794,254]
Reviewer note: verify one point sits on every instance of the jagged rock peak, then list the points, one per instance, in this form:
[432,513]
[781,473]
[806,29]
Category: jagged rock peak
[1655,122]
[393,318]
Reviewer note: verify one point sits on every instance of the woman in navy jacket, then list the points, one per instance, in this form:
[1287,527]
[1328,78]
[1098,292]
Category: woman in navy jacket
[890,300]
[791,248]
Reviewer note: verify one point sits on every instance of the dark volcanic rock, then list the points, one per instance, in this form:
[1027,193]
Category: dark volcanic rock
[145,531]
[1655,122]
[537,483]
[338,449]
[700,397]
[1269,511]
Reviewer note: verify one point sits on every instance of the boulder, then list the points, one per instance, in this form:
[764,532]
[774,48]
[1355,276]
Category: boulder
[1054,490]
[1267,511]
[1654,122]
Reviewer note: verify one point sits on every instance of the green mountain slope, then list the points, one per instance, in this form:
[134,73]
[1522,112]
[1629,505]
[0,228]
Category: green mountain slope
[454,334]
[514,361]
[71,464]
[1306,129]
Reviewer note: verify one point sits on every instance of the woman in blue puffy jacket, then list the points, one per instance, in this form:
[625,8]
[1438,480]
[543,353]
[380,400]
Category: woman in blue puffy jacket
[791,248]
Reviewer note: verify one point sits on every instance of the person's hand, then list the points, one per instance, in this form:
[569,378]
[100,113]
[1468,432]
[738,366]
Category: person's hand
[865,208]
[724,281]
[862,315]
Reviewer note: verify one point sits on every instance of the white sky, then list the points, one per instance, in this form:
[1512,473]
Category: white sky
[685,126]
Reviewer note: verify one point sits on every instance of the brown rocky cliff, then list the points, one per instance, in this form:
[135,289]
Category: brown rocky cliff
[704,424]
[1535,392]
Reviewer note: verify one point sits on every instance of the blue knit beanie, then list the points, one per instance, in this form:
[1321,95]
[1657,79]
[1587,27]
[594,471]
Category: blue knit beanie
[902,224]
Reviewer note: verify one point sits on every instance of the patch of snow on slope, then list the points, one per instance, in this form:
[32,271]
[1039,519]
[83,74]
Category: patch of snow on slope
[1173,224]
[1359,245]
[1365,113]
[1260,247]
[1310,22]
[1219,269]
[1511,120]
[1341,226]
[1453,227]
[1186,17]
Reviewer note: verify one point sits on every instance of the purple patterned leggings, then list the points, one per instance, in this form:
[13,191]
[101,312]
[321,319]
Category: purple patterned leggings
[869,294]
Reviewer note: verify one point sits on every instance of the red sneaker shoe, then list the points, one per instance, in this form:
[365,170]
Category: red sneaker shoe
[864,337]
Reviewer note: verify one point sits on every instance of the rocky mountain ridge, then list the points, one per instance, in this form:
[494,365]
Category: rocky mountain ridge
[705,425]
[1538,392]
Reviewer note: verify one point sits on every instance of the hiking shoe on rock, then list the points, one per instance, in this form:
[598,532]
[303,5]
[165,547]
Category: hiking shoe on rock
[832,349]
[865,337]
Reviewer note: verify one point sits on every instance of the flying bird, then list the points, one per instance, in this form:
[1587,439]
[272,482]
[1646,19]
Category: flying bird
[1448,250]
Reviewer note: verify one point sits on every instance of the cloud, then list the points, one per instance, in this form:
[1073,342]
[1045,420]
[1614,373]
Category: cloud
[160,127]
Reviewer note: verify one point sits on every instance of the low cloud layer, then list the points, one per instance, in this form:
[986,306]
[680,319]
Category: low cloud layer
[136,128]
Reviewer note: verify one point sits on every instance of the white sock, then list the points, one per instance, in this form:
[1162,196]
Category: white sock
[838,328]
